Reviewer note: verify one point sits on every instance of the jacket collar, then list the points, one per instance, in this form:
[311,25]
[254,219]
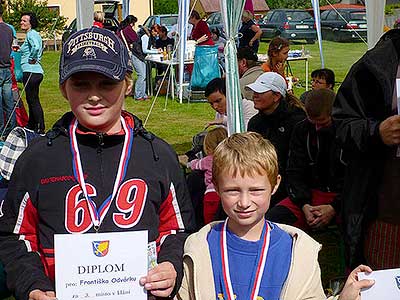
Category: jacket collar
[305,250]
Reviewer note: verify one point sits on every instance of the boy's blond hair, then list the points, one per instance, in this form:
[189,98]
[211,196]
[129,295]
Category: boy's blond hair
[245,154]
[213,138]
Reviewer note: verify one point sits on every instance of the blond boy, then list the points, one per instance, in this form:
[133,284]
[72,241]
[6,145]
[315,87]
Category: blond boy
[247,257]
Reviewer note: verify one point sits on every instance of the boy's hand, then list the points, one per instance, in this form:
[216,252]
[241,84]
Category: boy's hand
[160,281]
[40,295]
[352,287]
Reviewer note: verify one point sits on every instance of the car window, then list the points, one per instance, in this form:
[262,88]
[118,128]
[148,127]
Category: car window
[149,22]
[169,21]
[217,19]
[360,16]
[109,8]
[298,15]
[110,23]
[278,17]
[268,16]
[211,18]
[332,16]
[324,14]
[72,26]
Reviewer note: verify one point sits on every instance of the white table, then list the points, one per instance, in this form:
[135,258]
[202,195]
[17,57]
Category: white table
[305,59]
[171,64]
[264,57]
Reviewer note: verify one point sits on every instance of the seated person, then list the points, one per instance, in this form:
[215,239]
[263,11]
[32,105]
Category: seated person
[278,52]
[163,43]
[249,70]
[211,199]
[320,79]
[215,93]
[163,40]
[278,113]
[220,41]
[247,256]
[315,168]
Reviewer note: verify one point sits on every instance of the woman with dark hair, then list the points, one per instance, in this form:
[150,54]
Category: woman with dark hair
[132,41]
[31,54]
[200,32]
[251,33]
[126,32]
[278,52]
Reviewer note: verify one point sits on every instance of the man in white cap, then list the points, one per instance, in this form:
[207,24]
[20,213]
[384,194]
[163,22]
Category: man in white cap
[278,113]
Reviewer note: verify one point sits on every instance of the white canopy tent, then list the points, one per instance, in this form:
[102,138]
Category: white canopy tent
[375,20]
[231,12]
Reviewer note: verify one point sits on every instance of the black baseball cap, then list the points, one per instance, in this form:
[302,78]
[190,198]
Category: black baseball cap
[246,53]
[94,50]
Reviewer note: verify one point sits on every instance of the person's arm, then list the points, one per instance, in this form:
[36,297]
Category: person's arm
[202,164]
[257,36]
[176,221]
[35,47]
[298,172]
[202,28]
[356,109]
[145,45]
[19,243]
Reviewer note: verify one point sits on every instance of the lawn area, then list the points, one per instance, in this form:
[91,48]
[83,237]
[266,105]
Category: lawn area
[179,122]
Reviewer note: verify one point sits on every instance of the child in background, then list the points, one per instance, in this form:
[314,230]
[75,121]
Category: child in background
[211,198]
[98,19]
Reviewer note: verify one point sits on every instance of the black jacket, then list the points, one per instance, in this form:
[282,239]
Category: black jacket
[277,127]
[363,101]
[315,162]
[42,188]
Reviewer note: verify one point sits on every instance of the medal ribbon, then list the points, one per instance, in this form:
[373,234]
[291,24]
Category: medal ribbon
[262,257]
[97,215]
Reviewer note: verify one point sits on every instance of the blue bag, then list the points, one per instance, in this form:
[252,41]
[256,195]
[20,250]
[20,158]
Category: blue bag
[17,65]
[205,67]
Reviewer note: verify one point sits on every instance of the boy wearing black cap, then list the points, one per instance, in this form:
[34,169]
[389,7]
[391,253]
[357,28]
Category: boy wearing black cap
[249,70]
[97,170]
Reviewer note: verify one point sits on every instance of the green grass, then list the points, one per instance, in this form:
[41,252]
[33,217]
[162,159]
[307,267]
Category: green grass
[179,122]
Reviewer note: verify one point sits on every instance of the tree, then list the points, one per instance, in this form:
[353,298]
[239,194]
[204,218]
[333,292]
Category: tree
[165,7]
[273,4]
[49,21]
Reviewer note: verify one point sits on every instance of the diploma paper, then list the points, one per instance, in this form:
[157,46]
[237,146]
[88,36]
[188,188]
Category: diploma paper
[104,266]
[387,285]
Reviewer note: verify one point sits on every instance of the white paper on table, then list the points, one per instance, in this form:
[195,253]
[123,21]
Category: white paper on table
[387,285]
[104,266]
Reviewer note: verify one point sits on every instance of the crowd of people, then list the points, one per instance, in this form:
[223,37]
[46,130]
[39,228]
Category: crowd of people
[301,166]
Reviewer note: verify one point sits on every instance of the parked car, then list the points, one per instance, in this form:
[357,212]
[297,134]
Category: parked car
[214,20]
[344,25]
[110,20]
[291,24]
[164,20]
